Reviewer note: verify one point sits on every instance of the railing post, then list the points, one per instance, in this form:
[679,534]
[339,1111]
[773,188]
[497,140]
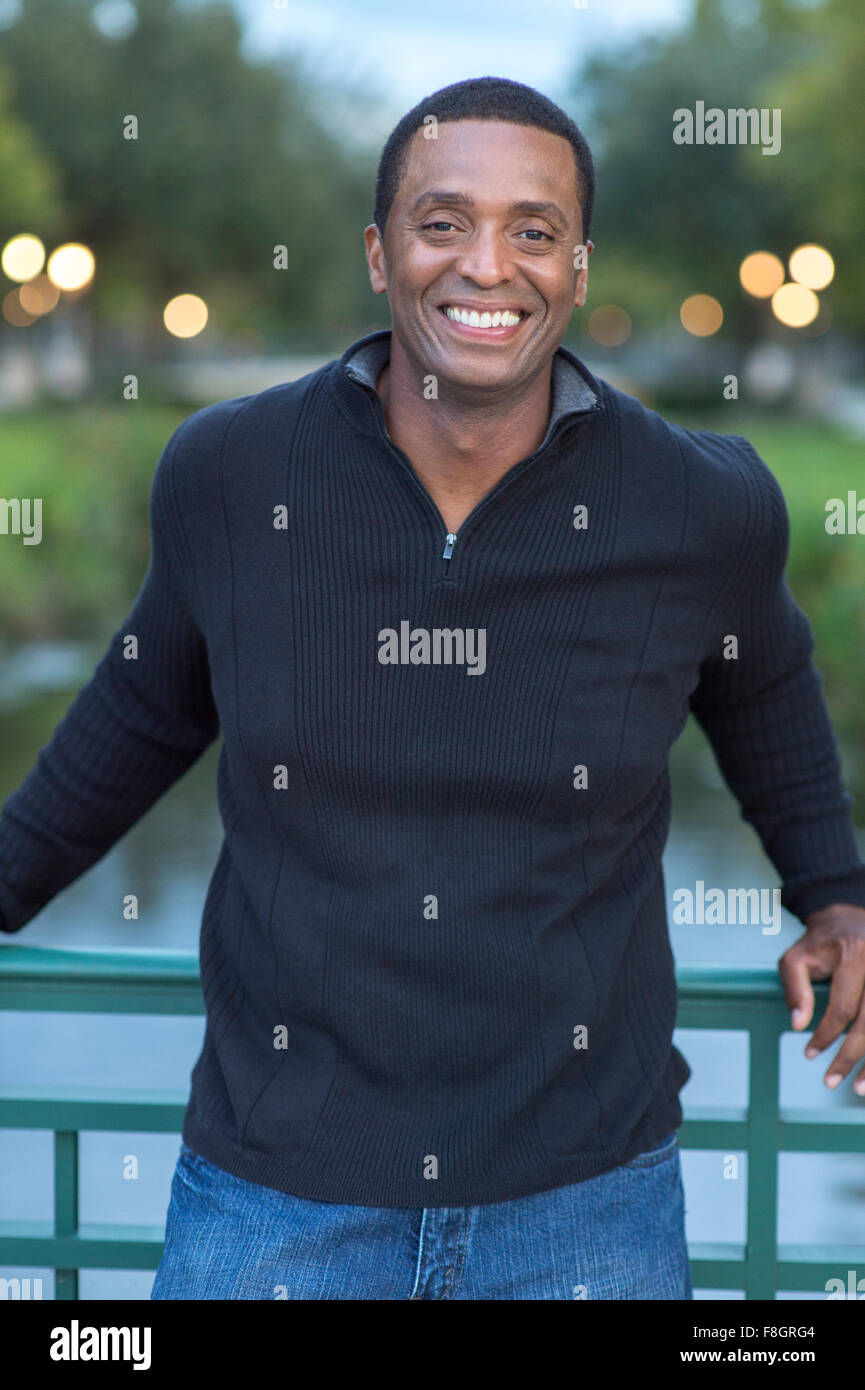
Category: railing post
[65,1205]
[763,1115]
[717,996]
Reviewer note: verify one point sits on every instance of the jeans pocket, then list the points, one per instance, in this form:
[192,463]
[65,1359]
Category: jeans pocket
[195,1172]
[660,1153]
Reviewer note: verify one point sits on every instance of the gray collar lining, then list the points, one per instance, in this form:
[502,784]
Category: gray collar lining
[571,393]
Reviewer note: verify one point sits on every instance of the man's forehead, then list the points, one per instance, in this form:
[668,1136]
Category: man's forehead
[475,150]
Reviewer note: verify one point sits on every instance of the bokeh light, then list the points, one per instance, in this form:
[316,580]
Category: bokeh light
[116,19]
[761,274]
[812,266]
[71,266]
[38,296]
[701,315]
[185,315]
[22,257]
[821,324]
[610,325]
[10,13]
[795,305]
[14,312]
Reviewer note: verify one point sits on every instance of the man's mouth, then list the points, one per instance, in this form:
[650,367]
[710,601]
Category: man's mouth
[489,319]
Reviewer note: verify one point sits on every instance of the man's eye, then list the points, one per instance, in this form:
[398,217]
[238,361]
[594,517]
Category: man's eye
[535,232]
[438,226]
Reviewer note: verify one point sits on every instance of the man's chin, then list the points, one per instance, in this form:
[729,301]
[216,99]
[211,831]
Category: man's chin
[480,380]
[468,372]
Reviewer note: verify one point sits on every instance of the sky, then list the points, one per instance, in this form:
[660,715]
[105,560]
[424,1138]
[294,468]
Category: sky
[405,49]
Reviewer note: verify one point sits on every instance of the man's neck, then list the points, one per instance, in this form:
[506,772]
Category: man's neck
[459,448]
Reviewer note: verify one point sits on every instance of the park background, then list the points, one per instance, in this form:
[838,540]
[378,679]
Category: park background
[259,125]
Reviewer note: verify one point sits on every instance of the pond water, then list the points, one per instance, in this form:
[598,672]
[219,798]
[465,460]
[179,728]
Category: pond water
[167,859]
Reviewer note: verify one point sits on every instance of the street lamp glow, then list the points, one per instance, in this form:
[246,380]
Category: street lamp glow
[761,274]
[701,315]
[812,266]
[71,266]
[185,315]
[23,257]
[795,305]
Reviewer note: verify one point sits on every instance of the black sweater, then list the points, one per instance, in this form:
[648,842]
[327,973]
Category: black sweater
[443,781]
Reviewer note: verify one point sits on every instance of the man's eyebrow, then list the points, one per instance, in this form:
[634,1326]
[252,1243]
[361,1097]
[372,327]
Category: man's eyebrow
[438,195]
[542,209]
[445,198]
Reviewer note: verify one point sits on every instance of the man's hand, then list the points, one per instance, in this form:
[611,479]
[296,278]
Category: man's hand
[833,944]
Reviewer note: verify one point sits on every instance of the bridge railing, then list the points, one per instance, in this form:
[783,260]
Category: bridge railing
[718,997]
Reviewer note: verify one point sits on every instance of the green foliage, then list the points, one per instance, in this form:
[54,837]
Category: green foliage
[826,572]
[823,103]
[92,467]
[688,214]
[232,158]
[29,178]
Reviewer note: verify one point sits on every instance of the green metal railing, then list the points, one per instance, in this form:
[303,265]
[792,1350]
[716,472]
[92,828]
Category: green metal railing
[721,997]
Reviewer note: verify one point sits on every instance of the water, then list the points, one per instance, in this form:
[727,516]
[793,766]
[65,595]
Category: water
[167,859]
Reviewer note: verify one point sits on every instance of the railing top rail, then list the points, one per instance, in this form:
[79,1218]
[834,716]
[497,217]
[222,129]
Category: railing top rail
[137,966]
[68,964]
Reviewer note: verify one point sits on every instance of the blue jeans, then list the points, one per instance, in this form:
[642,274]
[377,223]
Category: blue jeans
[620,1236]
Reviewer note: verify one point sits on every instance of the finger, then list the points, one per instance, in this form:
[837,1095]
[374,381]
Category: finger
[845,1000]
[851,1051]
[796,976]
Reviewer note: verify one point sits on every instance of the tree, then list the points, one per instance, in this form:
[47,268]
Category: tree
[677,219]
[29,178]
[824,107]
[184,164]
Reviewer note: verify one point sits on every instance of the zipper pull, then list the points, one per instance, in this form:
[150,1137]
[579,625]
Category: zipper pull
[450,542]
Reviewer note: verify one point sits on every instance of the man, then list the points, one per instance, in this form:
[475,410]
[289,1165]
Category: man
[450,600]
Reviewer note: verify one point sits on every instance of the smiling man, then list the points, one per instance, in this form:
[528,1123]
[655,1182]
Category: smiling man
[438,1060]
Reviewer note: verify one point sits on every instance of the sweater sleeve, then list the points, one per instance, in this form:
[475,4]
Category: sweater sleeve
[765,715]
[143,718]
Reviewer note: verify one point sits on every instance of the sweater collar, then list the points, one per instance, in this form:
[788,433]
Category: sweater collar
[575,391]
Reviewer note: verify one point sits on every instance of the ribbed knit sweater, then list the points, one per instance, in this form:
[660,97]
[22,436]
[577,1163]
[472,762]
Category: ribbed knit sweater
[434,949]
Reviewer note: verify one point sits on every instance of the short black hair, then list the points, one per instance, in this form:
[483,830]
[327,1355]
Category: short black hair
[483,99]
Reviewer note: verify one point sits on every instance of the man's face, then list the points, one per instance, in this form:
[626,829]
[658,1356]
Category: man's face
[486,220]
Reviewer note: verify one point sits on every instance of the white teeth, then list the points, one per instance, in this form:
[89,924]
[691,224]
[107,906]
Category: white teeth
[472,319]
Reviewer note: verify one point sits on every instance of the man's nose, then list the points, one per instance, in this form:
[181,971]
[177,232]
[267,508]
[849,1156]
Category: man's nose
[486,259]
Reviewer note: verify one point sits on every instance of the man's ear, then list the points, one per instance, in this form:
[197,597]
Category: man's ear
[375,258]
[582,283]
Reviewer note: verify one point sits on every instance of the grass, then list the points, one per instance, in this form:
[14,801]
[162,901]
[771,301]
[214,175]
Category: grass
[92,466]
[826,572]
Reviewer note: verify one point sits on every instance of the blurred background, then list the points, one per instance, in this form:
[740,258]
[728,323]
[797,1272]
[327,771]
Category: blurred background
[183,189]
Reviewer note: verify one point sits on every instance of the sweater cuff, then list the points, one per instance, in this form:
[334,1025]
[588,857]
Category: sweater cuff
[802,901]
[13,915]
